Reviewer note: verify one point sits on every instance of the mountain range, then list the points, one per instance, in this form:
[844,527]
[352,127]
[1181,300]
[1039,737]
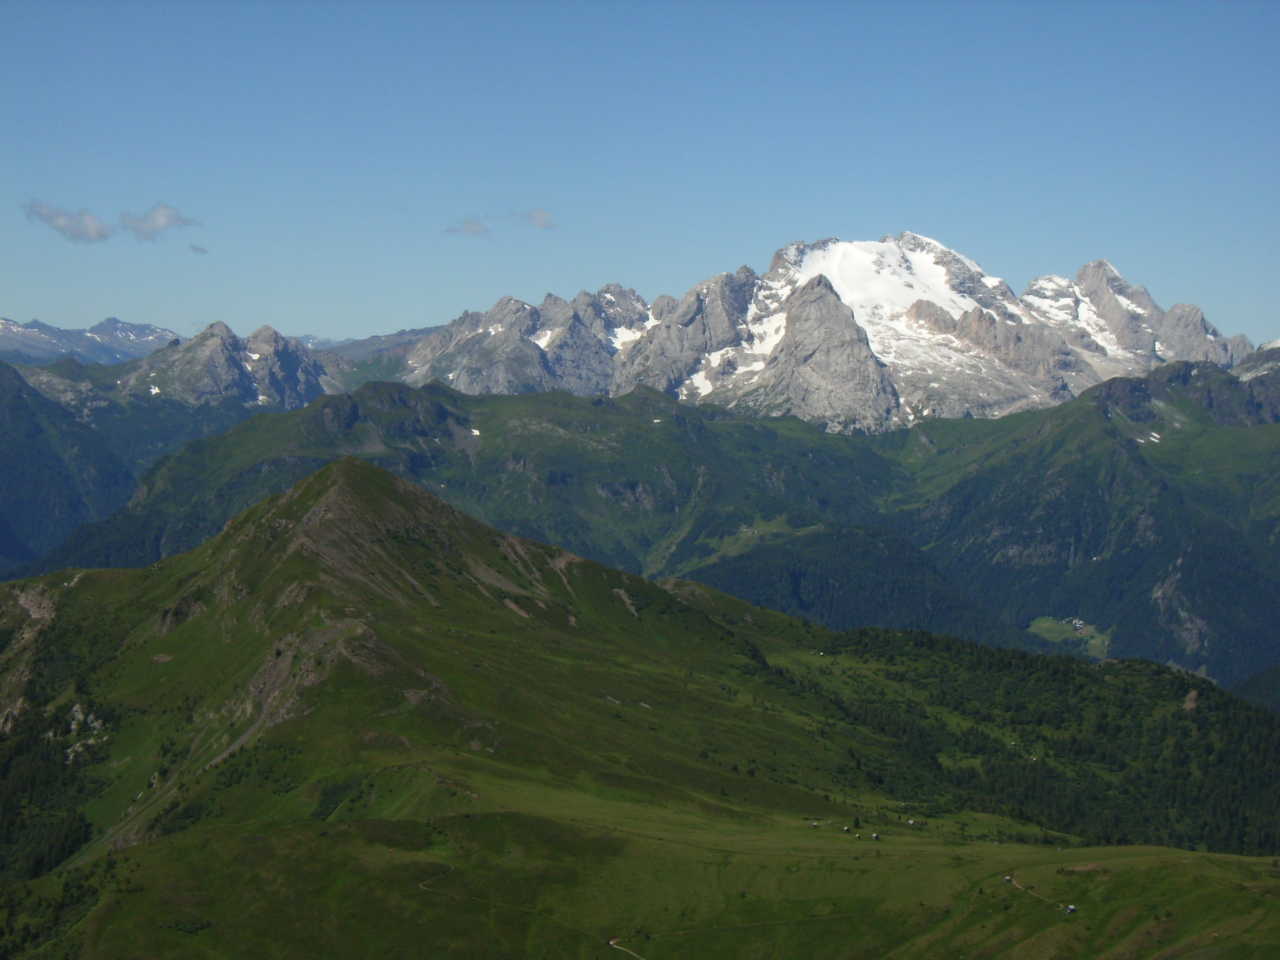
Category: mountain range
[861,336]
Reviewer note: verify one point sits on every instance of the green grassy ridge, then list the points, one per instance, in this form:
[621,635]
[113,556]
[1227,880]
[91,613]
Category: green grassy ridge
[645,597]
[335,703]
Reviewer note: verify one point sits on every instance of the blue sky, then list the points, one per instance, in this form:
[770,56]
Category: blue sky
[352,168]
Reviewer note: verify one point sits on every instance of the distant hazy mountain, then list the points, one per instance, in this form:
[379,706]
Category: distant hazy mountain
[111,341]
[854,336]
[264,369]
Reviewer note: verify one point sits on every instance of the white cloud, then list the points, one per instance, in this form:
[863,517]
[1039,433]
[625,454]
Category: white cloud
[537,218]
[540,218]
[81,227]
[155,221]
[470,227]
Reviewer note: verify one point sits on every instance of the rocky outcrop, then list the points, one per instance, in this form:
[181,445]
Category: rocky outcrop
[823,369]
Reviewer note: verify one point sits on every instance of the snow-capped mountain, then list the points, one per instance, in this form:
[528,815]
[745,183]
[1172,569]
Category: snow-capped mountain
[111,341]
[864,335]
[856,335]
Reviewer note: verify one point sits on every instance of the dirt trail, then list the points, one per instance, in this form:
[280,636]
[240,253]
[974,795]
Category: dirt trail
[1014,880]
[617,946]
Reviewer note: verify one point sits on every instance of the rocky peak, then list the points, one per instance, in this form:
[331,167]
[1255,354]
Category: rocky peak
[143,336]
[110,325]
[792,255]
[823,368]
[267,336]
[266,369]
[817,290]
[1048,286]
[215,331]
[1102,283]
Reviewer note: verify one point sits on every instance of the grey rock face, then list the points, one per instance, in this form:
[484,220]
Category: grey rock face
[1032,366]
[1262,362]
[1187,335]
[282,369]
[578,358]
[1124,308]
[1122,328]
[705,321]
[491,352]
[266,370]
[823,369]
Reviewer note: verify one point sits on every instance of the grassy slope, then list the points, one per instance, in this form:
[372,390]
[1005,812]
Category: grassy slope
[422,766]
[519,884]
